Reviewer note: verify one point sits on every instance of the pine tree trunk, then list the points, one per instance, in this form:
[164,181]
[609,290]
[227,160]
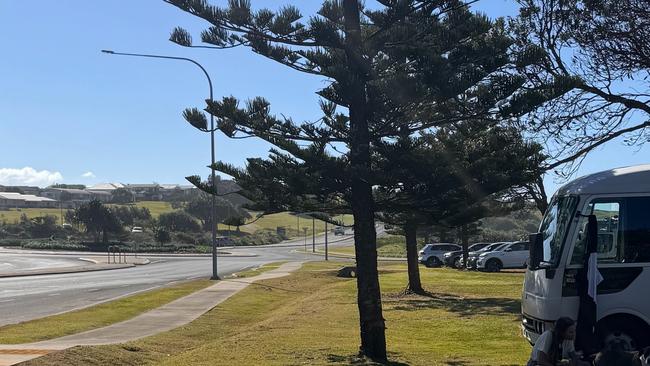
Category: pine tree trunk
[373,339]
[415,285]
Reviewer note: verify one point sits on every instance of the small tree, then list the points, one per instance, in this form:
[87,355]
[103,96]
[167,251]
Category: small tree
[235,221]
[162,236]
[178,221]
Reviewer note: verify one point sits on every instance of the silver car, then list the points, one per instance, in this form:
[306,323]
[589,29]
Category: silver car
[432,255]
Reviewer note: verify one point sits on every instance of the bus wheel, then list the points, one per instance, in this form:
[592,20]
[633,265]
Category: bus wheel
[624,333]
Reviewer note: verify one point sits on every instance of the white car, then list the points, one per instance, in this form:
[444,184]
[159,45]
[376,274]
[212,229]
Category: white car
[432,255]
[136,229]
[513,255]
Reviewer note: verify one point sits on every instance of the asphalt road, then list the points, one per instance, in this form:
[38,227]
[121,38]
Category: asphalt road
[31,297]
[20,262]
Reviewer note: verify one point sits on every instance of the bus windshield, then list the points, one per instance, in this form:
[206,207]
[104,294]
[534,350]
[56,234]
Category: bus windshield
[554,227]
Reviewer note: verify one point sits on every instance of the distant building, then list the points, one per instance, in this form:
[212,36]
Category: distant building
[105,187]
[146,192]
[71,198]
[17,200]
[30,190]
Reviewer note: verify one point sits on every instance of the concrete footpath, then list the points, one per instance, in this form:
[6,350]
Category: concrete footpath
[167,317]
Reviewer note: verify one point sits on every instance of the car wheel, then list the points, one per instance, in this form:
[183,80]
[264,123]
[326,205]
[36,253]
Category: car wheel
[432,262]
[458,263]
[493,265]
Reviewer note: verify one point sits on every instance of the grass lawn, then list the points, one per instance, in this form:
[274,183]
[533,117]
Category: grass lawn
[258,270]
[290,222]
[392,246]
[12,216]
[310,318]
[155,207]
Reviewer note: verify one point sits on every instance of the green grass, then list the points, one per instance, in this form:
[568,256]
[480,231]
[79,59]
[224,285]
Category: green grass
[256,271]
[311,318]
[391,246]
[96,316]
[12,216]
[156,208]
[290,222]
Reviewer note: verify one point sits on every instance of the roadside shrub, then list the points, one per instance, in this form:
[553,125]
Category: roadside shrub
[54,245]
[261,237]
[178,221]
[9,242]
[184,238]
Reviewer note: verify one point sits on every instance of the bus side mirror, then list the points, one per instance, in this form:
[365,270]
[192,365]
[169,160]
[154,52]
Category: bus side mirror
[535,251]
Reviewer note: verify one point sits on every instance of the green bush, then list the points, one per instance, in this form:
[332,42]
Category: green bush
[9,242]
[261,237]
[54,245]
[184,238]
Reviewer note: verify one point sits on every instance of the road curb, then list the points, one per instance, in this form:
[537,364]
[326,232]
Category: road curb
[64,270]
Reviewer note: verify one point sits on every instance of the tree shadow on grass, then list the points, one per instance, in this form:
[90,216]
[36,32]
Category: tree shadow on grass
[360,361]
[461,305]
[457,363]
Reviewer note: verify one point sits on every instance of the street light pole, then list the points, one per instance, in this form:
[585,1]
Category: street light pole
[215,275]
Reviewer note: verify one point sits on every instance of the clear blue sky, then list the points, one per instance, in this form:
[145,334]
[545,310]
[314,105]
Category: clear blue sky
[67,108]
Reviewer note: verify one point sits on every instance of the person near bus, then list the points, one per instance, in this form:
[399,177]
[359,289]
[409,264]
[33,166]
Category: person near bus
[555,347]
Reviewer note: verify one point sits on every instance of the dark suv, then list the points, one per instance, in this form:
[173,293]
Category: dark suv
[455,259]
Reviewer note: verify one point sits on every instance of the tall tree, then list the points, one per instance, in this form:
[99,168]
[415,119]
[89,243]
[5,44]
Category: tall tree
[201,208]
[453,178]
[595,57]
[98,219]
[404,67]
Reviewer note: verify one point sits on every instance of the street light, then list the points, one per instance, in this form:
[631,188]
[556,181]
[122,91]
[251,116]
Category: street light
[213,215]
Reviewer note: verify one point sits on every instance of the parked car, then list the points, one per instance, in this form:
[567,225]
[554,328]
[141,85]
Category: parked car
[513,255]
[455,259]
[339,230]
[473,256]
[136,229]
[432,254]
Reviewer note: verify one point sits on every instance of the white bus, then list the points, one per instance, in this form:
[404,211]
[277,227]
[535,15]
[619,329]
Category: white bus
[620,200]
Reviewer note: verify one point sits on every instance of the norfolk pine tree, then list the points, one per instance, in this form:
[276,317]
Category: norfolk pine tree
[394,70]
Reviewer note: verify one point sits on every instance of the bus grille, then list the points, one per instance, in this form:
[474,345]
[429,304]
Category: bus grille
[533,325]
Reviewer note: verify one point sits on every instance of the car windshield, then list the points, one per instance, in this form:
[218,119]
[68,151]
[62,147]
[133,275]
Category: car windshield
[554,227]
[476,247]
[490,247]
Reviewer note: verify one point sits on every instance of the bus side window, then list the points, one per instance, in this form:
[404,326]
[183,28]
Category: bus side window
[607,215]
[636,231]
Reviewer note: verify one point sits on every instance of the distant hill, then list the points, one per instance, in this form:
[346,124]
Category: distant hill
[515,226]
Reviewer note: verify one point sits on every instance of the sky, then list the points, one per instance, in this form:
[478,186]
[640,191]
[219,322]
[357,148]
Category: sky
[70,114]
